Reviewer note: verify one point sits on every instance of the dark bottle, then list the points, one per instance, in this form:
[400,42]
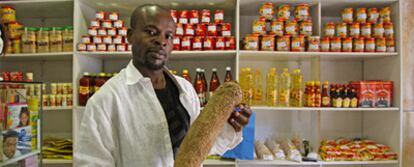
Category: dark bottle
[228,77]
[346,97]
[339,96]
[199,87]
[84,88]
[186,75]
[326,95]
[214,82]
[354,99]
[100,81]
[205,90]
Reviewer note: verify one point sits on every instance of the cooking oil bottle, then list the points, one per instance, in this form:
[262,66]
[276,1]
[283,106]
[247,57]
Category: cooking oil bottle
[272,86]
[296,94]
[246,84]
[284,88]
[258,88]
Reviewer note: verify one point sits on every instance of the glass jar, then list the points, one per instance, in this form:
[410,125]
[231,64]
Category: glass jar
[329,29]
[306,28]
[267,10]
[341,30]
[385,15]
[373,15]
[15,30]
[67,37]
[277,27]
[354,30]
[291,28]
[370,44]
[283,12]
[361,15]
[347,15]
[55,37]
[302,12]
[388,30]
[325,44]
[283,43]
[8,14]
[29,40]
[42,37]
[366,30]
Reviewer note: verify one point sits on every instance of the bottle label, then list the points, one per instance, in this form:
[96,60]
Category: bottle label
[338,103]
[326,101]
[346,102]
[84,90]
[354,102]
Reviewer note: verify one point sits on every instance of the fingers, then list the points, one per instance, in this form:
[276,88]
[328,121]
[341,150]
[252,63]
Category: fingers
[241,119]
[237,127]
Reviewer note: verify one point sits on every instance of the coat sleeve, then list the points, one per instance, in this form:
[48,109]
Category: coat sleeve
[94,145]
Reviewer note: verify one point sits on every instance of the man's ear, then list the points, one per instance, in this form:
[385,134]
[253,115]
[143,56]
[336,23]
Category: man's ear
[129,35]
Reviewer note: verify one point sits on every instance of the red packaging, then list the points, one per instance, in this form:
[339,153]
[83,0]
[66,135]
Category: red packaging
[97,39]
[208,43]
[93,31]
[183,17]
[107,24]
[114,16]
[6,76]
[123,31]
[200,30]
[194,17]
[174,15]
[176,43]
[107,40]
[100,15]
[230,43]
[205,16]
[121,47]
[91,47]
[219,16]
[82,47]
[365,92]
[186,43]
[95,23]
[383,94]
[179,30]
[118,40]
[102,32]
[86,39]
[220,43]
[111,32]
[101,47]
[189,30]
[118,24]
[197,43]
[16,76]
[111,48]
[212,29]
[225,30]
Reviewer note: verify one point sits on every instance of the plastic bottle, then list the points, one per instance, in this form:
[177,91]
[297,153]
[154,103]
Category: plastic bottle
[214,82]
[326,98]
[318,98]
[84,91]
[272,86]
[284,88]
[258,88]
[228,77]
[296,94]
[249,86]
[186,75]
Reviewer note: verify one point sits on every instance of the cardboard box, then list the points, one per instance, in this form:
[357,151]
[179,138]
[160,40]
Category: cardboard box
[10,141]
[17,115]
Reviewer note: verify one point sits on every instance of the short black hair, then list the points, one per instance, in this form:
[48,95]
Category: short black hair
[24,110]
[10,133]
[134,15]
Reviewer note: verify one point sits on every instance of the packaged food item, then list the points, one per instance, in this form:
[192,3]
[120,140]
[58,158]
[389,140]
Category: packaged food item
[14,29]
[205,16]
[370,44]
[347,15]
[122,47]
[275,149]
[230,43]
[283,43]
[390,45]
[335,44]
[111,31]
[16,46]
[102,32]
[194,17]
[111,47]
[220,43]
[97,39]
[388,30]
[212,29]
[277,27]
[366,30]
[197,43]
[188,30]
[325,44]
[302,12]
[91,47]
[86,39]
[183,19]
[262,152]
[361,15]
[268,43]
[100,15]
[373,15]
[67,39]
[8,14]
[56,39]
[29,40]
[186,43]
[107,40]
[306,28]
[293,154]
[219,16]
[378,30]
[298,43]
[267,10]
[118,39]
[42,40]
[385,15]
[179,30]
[329,29]
[381,45]
[107,24]
[93,31]
[354,30]
[176,43]
[347,44]
[291,28]
[82,47]
[314,44]
[259,26]
[283,12]
[174,15]
[208,43]
[113,16]
[101,47]
[251,42]
[225,30]
[341,30]
[123,31]
[359,44]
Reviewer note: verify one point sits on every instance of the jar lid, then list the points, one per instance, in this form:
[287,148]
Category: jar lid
[57,28]
[45,28]
[31,29]
[8,7]
[68,27]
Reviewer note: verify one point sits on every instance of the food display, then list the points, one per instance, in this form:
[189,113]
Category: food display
[58,95]
[355,150]
[57,148]
[90,83]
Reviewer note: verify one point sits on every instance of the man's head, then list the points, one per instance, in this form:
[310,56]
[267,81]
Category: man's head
[9,143]
[24,116]
[151,35]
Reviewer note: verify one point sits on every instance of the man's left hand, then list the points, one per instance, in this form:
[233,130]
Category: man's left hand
[240,119]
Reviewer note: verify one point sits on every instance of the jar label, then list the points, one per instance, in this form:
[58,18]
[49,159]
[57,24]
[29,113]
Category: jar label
[183,20]
[176,41]
[194,21]
[276,28]
[220,44]
[252,45]
[226,33]
[185,43]
[205,19]
[197,45]
[189,31]
[218,16]
[84,90]
[329,32]
[347,16]
[211,28]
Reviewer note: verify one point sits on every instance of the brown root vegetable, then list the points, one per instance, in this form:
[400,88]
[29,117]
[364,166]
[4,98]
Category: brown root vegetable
[206,128]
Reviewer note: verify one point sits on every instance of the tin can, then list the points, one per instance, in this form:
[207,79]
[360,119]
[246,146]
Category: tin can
[230,43]
[373,15]
[186,43]
[174,15]
[194,17]
[277,28]
[188,30]
[283,12]
[52,100]
[107,24]
[97,39]
[259,26]
[381,45]
[111,47]
[347,15]
[378,30]
[354,30]
[302,12]
[93,31]
[267,10]
[54,88]
[183,19]
[335,44]
[121,47]
[82,47]
[208,43]
[101,47]
[86,39]
[329,29]
[359,44]
[366,30]
[314,44]
[212,29]
[118,24]
[218,16]
[176,43]
[291,28]
[200,30]
[225,30]
[370,44]
[390,45]
[58,100]
[306,28]
[107,39]
[283,43]
[251,42]
[179,30]
[111,32]
[123,31]
[102,32]
[341,30]
[220,43]
[69,100]
[361,15]
[113,16]
[91,47]
[197,43]
[268,43]
[347,44]
[298,43]
[385,15]
[118,39]
[100,15]
[205,16]
[95,23]
[388,30]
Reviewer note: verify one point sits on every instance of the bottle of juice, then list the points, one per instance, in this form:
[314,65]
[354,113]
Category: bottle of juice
[326,98]
[258,88]
[186,75]
[214,82]
[272,85]
[284,88]
[249,86]
[296,98]
[318,98]
[228,77]
[84,88]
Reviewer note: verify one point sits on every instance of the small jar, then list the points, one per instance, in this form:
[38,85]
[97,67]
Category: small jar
[268,43]
[283,43]
[220,43]
[283,12]
[302,12]
[347,15]
[56,40]
[373,15]
[341,30]
[389,30]
[298,43]
[370,44]
[43,40]
[15,30]
[378,30]
[179,30]
[176,43]
[314,44]
[67,37]
[259,26]
[347,44]
[29,40]
[385,15]
[390,45]
[361,15]
[325,44]
[366,30]
[335,44]
[251,42]
[354,30]
[359,44]
[209,42]
[267,10]
[381,45]
[306,28]
[16,43]
[277,28]
[329,29]
[291,28]
[8,14]
[186,43]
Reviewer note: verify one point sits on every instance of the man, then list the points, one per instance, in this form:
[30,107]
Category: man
[140,116]
[10,145]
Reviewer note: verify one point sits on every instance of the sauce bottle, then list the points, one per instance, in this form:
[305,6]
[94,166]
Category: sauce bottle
[214,82]
[199,87]
[326,99]
[339,97]
[84,90]
[228,77]
[347,97]
[186,75]
[354,99]
[318,98]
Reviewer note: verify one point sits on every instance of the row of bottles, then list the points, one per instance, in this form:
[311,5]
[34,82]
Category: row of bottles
[331,96]
[90,84]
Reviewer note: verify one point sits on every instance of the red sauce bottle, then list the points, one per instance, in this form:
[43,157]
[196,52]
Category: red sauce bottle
[84,89]
[228,77]
[214,82]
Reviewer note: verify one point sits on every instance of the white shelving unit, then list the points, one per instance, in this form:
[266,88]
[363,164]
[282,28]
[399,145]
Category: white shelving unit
[56,161]
[383,125]
[65,108]
[15,160]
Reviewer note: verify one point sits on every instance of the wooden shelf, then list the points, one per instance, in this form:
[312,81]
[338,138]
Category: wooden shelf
[57,108]
[57,161]
[176,55]
[38,56]
[16,159]
[266,108]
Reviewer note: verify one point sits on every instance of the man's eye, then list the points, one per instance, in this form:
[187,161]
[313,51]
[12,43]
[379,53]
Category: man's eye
[150,32]
[169,36]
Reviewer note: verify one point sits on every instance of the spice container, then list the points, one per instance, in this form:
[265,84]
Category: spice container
[335,44]
[385,15]
[381,45]
[267,10]
[219,16]
[212,29]
[354,30]
[93,31]
[194,17]
[359,44]
[67,37]
[341,30]
[230,43]
[268,43]
[370,44]
[186,43]
[388,30]
[313,44]
[16,46]
[366,30]
[378,30]
[197,43]
[361,15]
[347,15]
[390,45]
[283,12]
[188,30]
[259,26]
[283,43]
[298,43]
[306,28]
[329,29]
[373,15]
[302,12]
[174,15]
[225,29]
[179,30]
[347,44]
[205,16]
[176,43]
[183,17]
[42,40]
[8,14]
[208,43]
[277,28]
[220,43]
[15,30]
[325,44]
[251,42]
[291,28]
[29,40]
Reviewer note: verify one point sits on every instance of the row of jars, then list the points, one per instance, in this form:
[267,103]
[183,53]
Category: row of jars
[57,100]
[359,29]
[280,27]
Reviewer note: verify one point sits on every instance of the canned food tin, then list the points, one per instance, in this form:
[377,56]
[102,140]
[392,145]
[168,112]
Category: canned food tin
[101,47]
[226,29]
[86,39]
[277,28]
[259,26]
[283,43]
[361,15]
[219,16]
[121,47]
[179,30]
[97,39]
[298,43]
[102,32]
[302,12]
[306,28]
[93,31]
[197,43]
[118,24]
[230,43]
[174,15]
[370,45]
[251,42]
[100,15]
[378,30]
[329,29]
[314,44]
[107,24]
[176,43]
[113,16]
[208,43]
[194,17]
[341,30]
[390,45]
[267,10]
[186,43]
[183,17]
[283,12]
[82,47]
[189,30]
[268,43]
[91,47]
[111,48]
[291,28]
[359,44]
[381,45]
[95,23]
[111,32]
[220,43]
[335,44]
[347,15]
[123,31]
[52,100]
[205,16]
[366,30]
[200,30]
[118,39]
[373,15]
[347,44]
[212,29]
[107,40]
[354,31]
[388,30]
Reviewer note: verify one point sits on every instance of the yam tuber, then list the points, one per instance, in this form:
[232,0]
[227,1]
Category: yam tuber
[206,128]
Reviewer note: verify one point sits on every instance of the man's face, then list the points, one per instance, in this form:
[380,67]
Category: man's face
[9,147]
[152,39]
[24,119]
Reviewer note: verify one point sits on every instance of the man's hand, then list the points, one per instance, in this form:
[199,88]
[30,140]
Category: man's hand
[240,119]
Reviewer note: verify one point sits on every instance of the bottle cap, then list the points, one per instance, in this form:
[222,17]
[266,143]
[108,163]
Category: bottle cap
[228,68]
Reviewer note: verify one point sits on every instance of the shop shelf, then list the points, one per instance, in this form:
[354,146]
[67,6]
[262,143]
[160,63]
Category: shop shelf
[219,162]
[266,108]
[57,161]
[16,159]
[285,162]
[57,108]
[42,9]
[38,56]
[176,55]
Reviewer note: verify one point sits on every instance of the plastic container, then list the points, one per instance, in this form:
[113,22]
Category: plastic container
[378,30]
[366,30]
[370,44]
[56,40]
[43,42]
[8,14]
[373,15]
[284,88]
[67,37]
[361,15]
[29,40]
